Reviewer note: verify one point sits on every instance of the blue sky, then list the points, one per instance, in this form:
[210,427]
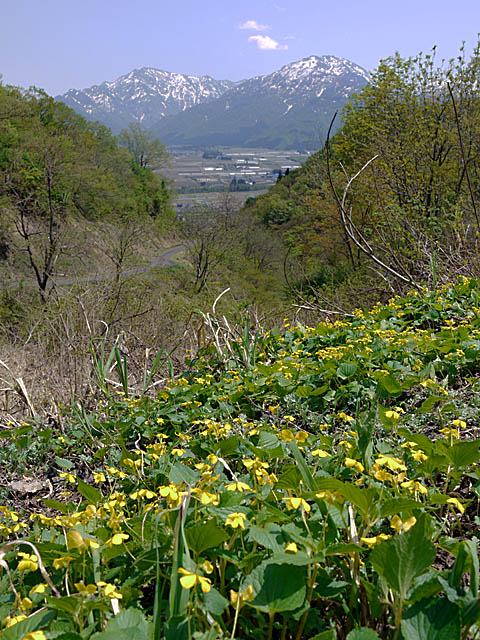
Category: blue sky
[59,44]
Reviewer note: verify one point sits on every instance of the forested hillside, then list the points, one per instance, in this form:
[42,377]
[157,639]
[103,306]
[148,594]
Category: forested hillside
[393,202]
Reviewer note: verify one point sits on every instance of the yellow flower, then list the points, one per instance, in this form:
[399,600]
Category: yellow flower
[236,519]
[401,526]
[190,579]
[354,464]
[301,437]
[246,596]
[392,415]
[178,452]
[62,562]
[38,588]
[35,635]
[459,423]
[414,485]
[320,453]
[117,539]
[457,504]
[109,590]
[25,604]
[419,456]
[394,464]
[74,539]
[238,486]
[346,418]
[85,589]
[29,562]
[68,476]
[371,542]
[209,498]
[291,547]
[297,503]
[207,566]
[286,435]
[99,477]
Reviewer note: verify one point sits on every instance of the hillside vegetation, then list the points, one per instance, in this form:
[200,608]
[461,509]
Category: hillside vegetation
[395,206]
[173,469]
[310,482]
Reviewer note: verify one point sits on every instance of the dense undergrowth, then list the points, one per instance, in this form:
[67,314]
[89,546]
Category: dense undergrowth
[302,483]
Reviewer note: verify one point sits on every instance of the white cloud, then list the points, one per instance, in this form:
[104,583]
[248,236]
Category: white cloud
[253,25]
[267,43]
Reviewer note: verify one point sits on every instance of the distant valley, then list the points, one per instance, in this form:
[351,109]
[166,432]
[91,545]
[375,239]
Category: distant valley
[288,109]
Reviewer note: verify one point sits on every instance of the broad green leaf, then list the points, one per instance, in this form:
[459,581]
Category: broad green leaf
[277,587]
[34,622]
[464,453]
[128,624]
[181,473]
[304,391]
[363,499]
[390,384]
[346,370]
[326,635]
[63,463]
[424,587]
[268,440]
[270,536]
[363,634]
[397,505]
[428,404]
[403,558]
[290,479]
[205,536]
[55,504]
[69,604]
[436,619]
[92,494]
[214,602]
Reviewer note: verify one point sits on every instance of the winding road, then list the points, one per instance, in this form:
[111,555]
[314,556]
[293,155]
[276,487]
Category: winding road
[164,260]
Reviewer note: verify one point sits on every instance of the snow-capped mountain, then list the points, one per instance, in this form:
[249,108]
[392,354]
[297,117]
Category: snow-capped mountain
[144,95]
[289,108]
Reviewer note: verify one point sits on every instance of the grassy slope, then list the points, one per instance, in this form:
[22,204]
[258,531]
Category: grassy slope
[323,473]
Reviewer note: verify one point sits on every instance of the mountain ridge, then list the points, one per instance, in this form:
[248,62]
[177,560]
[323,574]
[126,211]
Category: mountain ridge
[290,107]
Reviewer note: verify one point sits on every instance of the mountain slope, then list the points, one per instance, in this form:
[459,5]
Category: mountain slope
[143,95]
[289,108]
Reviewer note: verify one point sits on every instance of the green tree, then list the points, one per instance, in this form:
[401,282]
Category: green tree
[147,151]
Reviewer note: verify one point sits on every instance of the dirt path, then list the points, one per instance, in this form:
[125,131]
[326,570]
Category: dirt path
[164,259]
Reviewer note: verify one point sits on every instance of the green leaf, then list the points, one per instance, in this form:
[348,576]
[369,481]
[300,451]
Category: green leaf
[428,404]
[268,440]
[403,558]
[436,619]
[270,536]
[55,504]
[363,634]
[32,623]
[181,473]
[63,463]
[303,467]
[464,453]
[397,505]
[363,499]
[205,535]
[128,624]
[304,391]
[214,602]
[390,385]
[331,634]
[346,370]
[92,494]
[277,587]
